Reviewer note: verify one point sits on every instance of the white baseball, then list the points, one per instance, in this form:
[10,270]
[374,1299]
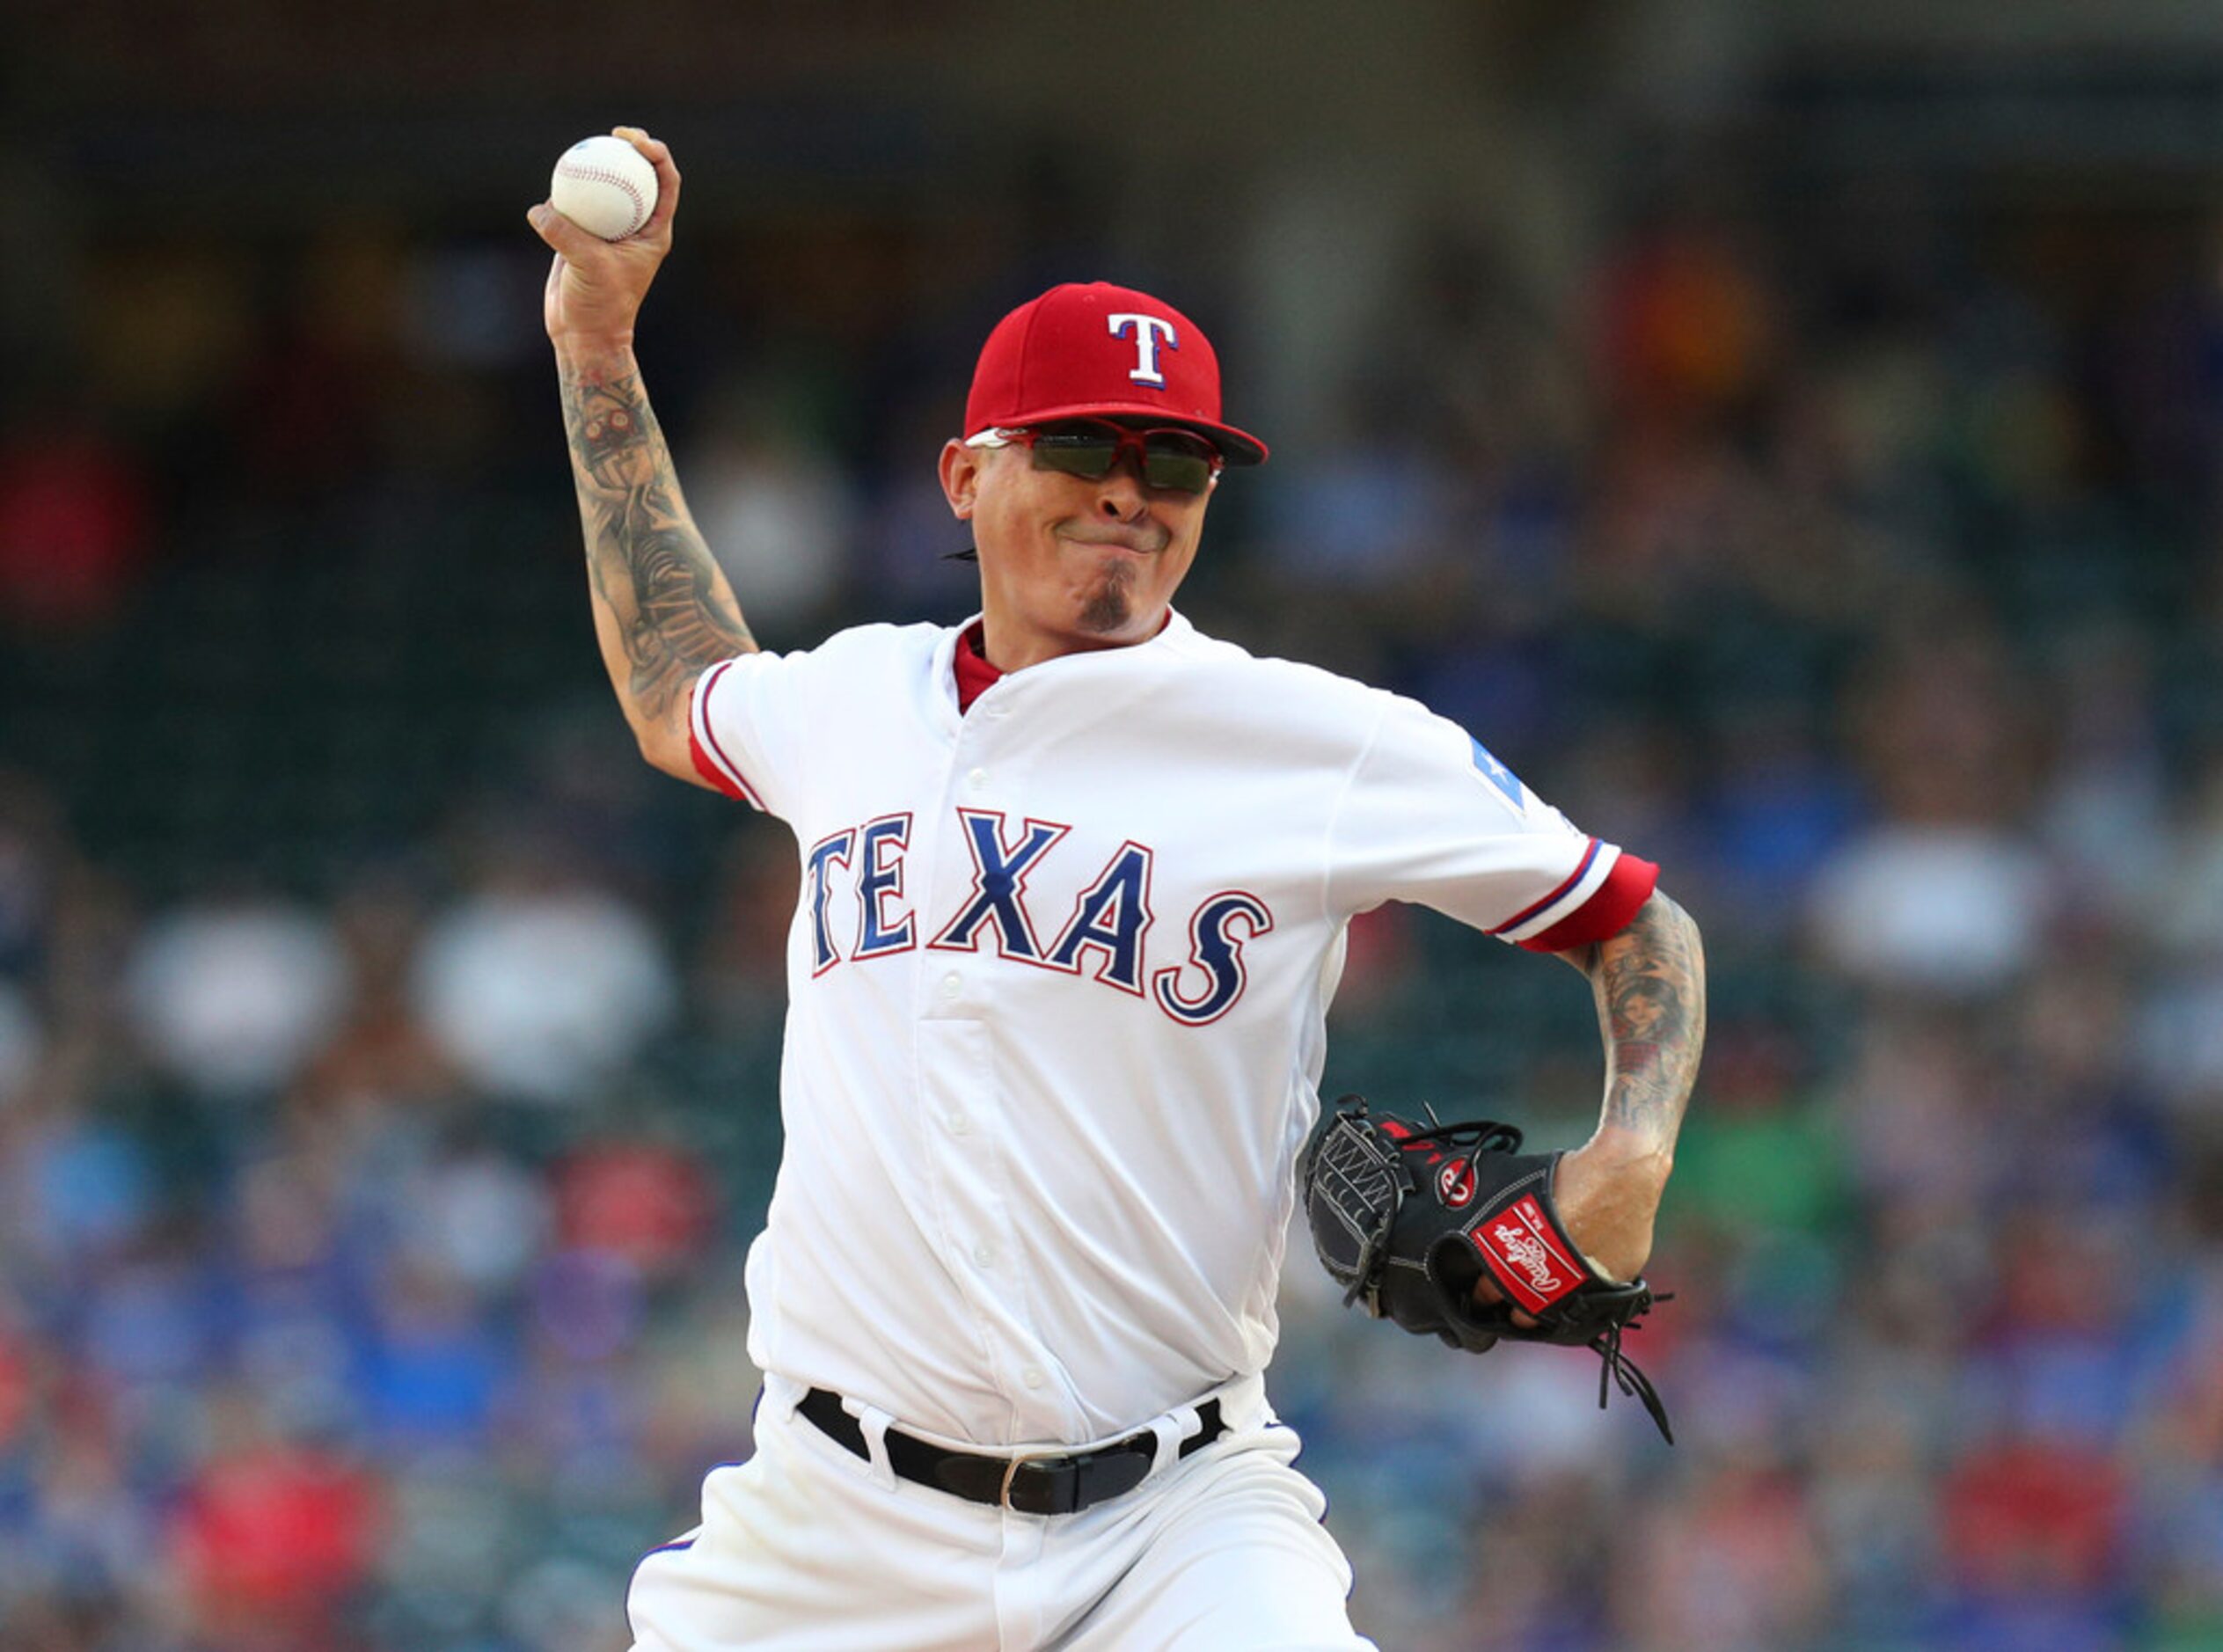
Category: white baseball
[605,187]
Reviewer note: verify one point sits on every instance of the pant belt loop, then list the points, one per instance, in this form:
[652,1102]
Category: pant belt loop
[1172,1430]
[875,1424]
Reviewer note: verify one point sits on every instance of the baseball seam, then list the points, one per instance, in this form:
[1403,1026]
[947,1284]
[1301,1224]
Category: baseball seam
[600,175]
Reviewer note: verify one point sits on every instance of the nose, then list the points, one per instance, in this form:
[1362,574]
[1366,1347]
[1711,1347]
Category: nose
[1120,496]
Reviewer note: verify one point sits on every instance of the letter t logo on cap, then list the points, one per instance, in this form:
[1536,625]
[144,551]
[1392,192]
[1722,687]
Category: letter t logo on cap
[1147,331]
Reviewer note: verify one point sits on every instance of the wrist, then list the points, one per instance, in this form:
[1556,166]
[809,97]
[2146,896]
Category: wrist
[1628,1153]
[596,356]
[1609,1208]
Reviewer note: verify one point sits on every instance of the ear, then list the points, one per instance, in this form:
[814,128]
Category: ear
[961,468]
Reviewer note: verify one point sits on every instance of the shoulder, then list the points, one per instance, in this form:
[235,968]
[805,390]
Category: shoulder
[876,654]
[877,644]
[878,665]
[1286,689]
[1395,739]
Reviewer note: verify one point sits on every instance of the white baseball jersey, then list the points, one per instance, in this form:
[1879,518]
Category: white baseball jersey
[1059,976]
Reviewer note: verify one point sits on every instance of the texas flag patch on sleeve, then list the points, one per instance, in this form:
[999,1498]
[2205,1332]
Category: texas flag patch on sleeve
[1496,774]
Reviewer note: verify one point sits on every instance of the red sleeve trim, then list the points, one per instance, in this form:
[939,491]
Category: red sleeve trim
[1582,871]
[723,774]
[712,772]
[1608,911]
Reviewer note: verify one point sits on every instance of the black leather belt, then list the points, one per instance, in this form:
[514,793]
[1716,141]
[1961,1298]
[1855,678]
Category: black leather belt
[1040,1485]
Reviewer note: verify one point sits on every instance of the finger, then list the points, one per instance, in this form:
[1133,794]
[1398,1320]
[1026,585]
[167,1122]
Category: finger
[1488,1295]
[667,195]
[657,153]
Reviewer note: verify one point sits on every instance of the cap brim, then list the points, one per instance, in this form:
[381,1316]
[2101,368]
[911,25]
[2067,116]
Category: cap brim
[1237,447]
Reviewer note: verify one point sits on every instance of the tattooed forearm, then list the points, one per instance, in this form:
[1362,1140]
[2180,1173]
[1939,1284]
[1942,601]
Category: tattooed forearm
[664,610]
[1650,983]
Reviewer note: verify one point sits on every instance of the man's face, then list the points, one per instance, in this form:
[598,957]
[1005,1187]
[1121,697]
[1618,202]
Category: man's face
[1066,563]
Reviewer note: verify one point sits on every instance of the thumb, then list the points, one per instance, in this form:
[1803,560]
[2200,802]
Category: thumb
[560,232]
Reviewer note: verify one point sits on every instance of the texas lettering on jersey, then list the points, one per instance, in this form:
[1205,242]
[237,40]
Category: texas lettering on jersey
[1104,937]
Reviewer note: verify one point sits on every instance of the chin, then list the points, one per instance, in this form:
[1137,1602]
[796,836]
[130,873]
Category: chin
[1110,608]
[1116,615]
[1106,619]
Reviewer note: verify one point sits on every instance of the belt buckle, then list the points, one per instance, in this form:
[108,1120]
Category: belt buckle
[1010,1473]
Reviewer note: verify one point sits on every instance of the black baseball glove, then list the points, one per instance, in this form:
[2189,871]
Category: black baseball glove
[1409,1217]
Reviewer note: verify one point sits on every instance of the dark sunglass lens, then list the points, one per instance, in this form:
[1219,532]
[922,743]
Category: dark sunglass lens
[1171,459]
[1077,453]
[1183,472]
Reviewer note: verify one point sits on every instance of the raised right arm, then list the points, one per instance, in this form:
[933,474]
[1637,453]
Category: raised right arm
[663,612]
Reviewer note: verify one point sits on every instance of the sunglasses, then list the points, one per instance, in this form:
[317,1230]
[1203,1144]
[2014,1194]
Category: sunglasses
[1179,461]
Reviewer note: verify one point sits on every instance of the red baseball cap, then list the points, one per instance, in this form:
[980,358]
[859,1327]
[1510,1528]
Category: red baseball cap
[1090,349]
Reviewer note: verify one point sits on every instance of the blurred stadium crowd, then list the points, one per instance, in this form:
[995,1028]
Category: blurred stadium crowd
[388,1061]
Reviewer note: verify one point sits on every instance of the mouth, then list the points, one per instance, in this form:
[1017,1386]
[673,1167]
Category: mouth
[1139,544]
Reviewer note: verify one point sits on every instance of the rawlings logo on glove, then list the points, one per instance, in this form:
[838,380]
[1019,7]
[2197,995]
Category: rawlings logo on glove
[1409,1218]
[1523,1244]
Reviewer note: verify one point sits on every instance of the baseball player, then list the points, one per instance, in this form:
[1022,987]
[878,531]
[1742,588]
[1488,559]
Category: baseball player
[1075,885]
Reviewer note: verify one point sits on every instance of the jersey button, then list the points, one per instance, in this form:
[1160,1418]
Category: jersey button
[1032,1375]
[984,1255]
[952,985]
[977,779]
[958,1123]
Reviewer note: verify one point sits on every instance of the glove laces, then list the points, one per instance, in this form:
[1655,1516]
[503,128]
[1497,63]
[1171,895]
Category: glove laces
[1486,1134]
[1629,1376]
[1615,1367]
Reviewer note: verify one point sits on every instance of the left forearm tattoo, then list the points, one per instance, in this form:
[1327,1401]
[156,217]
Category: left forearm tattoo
[1650,983]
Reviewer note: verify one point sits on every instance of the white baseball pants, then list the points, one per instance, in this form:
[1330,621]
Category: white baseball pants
[807,1548]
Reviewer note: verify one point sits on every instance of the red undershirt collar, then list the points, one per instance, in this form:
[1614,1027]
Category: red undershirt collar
[974,673]
[973,670]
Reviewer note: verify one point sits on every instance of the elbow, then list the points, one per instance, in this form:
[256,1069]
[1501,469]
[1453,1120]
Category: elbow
[1659,918]
[1662,907]
[664,747]
[1665,922]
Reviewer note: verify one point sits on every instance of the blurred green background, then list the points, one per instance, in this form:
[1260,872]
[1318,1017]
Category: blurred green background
[1786,437]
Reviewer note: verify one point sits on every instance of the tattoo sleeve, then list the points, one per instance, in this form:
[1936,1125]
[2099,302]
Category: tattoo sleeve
[663,610]
[1650,984]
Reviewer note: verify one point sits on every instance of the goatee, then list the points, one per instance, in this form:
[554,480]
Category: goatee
[1110,604]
